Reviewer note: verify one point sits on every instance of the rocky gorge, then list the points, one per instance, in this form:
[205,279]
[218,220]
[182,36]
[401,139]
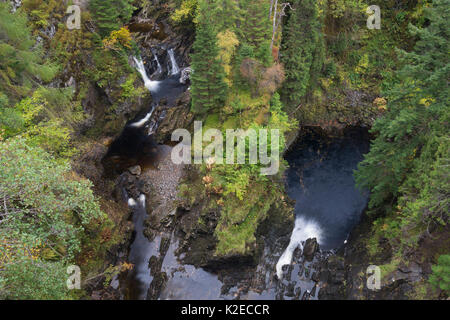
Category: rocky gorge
[176,258]
[208,231]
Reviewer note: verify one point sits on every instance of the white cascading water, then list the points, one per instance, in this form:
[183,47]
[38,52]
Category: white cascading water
[303,230]
[174,66]
[149,84]
[141,122]
[131,202]
[159,68]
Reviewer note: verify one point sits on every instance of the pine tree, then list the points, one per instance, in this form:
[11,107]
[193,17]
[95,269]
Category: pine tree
[256,26]
[20,59]
[110,14]
[301,43]
[208,85]
[409,154]
[227,14]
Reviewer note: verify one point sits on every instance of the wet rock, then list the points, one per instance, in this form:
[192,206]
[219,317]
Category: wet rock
[287,272]
[157,285]
[307,272]
[149,234]
[128,182]
[300,271]
[305,295]
[115,283]
[298,291]
[144,186]
[315,277]
[297,254]
[290,289]
[279,296]
[135,170]
[333,275]
[154,264]
[178,116]
[313,291]
[164,246]
[310,248]
[411,273]
[185,75]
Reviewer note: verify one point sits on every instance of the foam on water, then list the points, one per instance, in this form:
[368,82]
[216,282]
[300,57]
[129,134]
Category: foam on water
[144,120]
[303,230]
[131,202]
[152,86]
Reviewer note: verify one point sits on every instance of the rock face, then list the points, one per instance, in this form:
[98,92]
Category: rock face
[157,35]
[185,75]
[177,116]
[135,170]
[345,275]
[310,248]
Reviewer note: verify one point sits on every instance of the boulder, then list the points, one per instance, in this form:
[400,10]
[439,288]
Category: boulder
[310,248]
[135,170]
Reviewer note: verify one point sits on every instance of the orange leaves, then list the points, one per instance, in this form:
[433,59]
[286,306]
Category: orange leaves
[380,103]
[207,180]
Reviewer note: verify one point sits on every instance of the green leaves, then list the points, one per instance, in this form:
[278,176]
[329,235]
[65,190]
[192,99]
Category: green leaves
[441,274]
[20,62]
[301,50]
[41,201]
[406,168]
[32,280]
[110,14]
[209,89]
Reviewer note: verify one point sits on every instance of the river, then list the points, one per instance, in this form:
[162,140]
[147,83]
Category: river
[327,206]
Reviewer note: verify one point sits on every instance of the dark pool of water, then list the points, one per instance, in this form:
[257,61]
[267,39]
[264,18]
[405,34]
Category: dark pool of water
[320,180]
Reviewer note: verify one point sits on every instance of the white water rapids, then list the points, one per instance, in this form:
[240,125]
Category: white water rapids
[152,86]
[159,68]
[303,230]
[143,121]
[174,66]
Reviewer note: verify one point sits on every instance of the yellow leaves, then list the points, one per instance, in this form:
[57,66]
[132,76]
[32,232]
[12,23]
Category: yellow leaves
[363,64]
[227,43]
[380,103]
[11,250]
[31,107]
[121,36]
[125,266]
[426,101]
[187,10]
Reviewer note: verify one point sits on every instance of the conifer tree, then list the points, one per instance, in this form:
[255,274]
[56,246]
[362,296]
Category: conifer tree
[407,157]
[20,59]
[208,88]
[228,14]
[300,43]
[110,14]
[256,26]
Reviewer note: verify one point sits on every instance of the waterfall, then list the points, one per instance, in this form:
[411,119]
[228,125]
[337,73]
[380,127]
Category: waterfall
[141,122]
[131,202]
[174,67]
[303,230]
[149,84]
[142,200]
[159,68]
